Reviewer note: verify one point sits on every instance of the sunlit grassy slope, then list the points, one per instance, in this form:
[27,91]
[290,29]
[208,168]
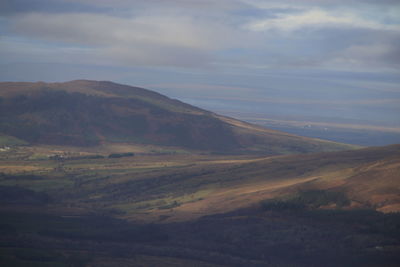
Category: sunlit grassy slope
[93,114]
[169,187]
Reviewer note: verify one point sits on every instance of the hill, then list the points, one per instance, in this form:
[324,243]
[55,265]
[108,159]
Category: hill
[176,187]
[359,179]
[366,178]
[323,209]
[91,113]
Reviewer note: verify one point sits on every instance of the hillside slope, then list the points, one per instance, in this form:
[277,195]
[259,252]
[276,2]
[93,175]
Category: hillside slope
[89,113]
[366,178]
[165,187]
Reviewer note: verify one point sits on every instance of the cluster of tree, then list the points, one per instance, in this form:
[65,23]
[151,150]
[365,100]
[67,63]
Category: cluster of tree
[307,200]
[121,155]
[61,157]
[111,156]
[169,206]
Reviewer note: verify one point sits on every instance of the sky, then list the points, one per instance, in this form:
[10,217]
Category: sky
[329,60]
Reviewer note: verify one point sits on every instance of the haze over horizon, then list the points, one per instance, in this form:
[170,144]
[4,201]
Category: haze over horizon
[322,60]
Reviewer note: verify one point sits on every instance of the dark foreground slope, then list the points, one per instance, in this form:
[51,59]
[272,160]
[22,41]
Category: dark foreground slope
[253,239]
[89,113]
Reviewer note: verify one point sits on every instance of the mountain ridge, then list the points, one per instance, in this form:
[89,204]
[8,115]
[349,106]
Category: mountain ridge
[87,113]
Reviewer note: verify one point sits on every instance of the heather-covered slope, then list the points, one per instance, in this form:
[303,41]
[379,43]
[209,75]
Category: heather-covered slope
[89,113]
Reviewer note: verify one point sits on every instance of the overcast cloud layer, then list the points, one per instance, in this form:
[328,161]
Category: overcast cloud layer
[205,33]
[206,42]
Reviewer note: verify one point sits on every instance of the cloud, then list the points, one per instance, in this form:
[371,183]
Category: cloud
[320,3]
[317,18]
[17,50]
[12,7]
[119,6]
[153,40]
[379,55]
[337,38]
[220,4]
[220,34]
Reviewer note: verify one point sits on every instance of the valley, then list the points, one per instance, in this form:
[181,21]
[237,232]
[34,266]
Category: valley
[199,133]
[149,186]
[92,174]
[179,209]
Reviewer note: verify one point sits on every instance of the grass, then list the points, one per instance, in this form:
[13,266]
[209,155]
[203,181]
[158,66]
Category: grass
[311,199]
[40,185]
[6,140]
[201,184]
[167,202]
